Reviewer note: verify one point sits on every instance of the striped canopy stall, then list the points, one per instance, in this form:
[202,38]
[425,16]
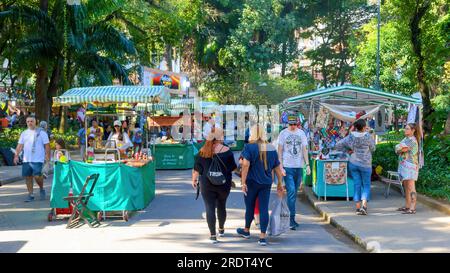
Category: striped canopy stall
[350,95]
[113,94]
[175,104]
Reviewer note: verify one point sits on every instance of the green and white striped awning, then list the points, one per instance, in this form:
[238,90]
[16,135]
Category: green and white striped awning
[113,94]
[175,104]
[350,94]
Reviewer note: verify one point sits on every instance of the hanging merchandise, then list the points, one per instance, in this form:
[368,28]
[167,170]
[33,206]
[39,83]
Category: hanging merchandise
[81,114]
[380,121]
[322,118]
[312,114]
[284,117]
[390,116]
[301,117]
[351,113]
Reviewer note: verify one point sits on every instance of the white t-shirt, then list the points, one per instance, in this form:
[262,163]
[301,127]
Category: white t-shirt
[125,144]
[27,138]
[292,143]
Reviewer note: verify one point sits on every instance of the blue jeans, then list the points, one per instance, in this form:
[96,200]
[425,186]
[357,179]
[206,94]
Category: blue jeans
[292,181]
[262,192]
[361,182]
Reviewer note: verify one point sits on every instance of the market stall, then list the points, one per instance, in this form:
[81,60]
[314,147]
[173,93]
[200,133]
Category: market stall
[170,153]
[330,112]
[126,181]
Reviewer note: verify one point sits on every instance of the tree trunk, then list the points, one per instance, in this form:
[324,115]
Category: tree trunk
[421,73]
[168,56]
[41,100]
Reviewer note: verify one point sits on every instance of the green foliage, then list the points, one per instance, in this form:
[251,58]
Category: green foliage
[393,136]
[334,32]
[397,71]
[386,157]
[434,177]
[70,137]
[9,137]
[252,88]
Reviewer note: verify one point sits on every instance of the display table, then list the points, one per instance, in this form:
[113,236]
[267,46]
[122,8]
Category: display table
[119,187]
[174,156]
[333,171]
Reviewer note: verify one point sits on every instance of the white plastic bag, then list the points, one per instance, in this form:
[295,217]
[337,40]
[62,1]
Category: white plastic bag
[279,217]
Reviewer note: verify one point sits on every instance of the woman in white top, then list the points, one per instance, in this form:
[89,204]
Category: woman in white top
[121,139]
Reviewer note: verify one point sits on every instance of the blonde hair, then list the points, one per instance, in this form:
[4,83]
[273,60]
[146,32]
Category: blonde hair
[258,135]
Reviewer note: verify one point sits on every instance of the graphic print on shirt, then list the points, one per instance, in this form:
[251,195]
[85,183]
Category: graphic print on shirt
[293,145]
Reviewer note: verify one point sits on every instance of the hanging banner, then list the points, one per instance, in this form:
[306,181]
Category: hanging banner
[156,77]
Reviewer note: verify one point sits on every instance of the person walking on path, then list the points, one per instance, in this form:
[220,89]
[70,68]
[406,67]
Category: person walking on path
[214,196]
[360,144]
[35,145]
[293,156]
[259,159]
[408,169]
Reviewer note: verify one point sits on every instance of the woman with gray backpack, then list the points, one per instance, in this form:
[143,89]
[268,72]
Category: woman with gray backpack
[214,165]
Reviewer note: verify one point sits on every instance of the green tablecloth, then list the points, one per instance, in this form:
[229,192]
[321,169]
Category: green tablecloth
[119,187]
[174,156]
[239,146]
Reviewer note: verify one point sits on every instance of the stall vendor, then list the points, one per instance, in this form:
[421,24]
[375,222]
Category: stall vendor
[97,131]
[121,139]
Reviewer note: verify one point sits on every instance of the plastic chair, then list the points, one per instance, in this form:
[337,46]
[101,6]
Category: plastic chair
[80,202]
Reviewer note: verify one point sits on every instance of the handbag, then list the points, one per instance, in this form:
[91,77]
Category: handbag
[215,174]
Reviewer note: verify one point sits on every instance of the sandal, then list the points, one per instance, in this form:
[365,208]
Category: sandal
[409,211]
[403,209]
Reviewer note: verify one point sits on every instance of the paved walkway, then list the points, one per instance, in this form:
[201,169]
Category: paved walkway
[173,222]
[426,231]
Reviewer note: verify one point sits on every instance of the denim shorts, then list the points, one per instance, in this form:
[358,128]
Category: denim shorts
[32,168]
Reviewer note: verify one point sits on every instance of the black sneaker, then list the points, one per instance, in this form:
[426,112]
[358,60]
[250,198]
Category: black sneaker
[293,225]
[221,232]
[242,232]
[213,239]
[262,242]
[363,211]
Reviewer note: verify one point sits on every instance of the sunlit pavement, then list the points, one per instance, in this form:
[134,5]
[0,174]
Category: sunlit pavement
[173,222]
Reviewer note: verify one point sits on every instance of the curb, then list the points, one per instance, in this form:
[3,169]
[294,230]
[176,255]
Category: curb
[10,180]
[428,201]
[13,179]
[437,205]
[328,217]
